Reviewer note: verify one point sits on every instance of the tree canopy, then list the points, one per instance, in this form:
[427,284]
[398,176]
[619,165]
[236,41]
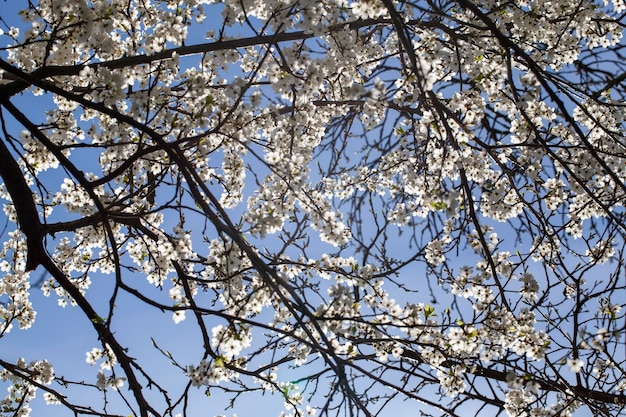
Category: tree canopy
[351,205]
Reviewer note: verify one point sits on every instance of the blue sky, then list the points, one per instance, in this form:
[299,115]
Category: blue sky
[63,336]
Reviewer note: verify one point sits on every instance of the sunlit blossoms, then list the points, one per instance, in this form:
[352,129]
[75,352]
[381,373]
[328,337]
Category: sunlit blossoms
[337,207]
[24,378]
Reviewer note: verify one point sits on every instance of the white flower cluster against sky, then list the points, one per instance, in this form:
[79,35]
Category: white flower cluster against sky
[298,207]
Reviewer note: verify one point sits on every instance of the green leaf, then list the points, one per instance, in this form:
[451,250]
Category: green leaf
[220,361]
[438,205]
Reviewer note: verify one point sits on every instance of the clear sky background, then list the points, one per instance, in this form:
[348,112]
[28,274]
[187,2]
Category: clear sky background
[63,336]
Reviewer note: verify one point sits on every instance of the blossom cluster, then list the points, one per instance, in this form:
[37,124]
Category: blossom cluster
[20,390]
[304,175]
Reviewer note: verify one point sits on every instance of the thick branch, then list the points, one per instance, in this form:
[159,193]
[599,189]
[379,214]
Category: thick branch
[24,204]
[495,375]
